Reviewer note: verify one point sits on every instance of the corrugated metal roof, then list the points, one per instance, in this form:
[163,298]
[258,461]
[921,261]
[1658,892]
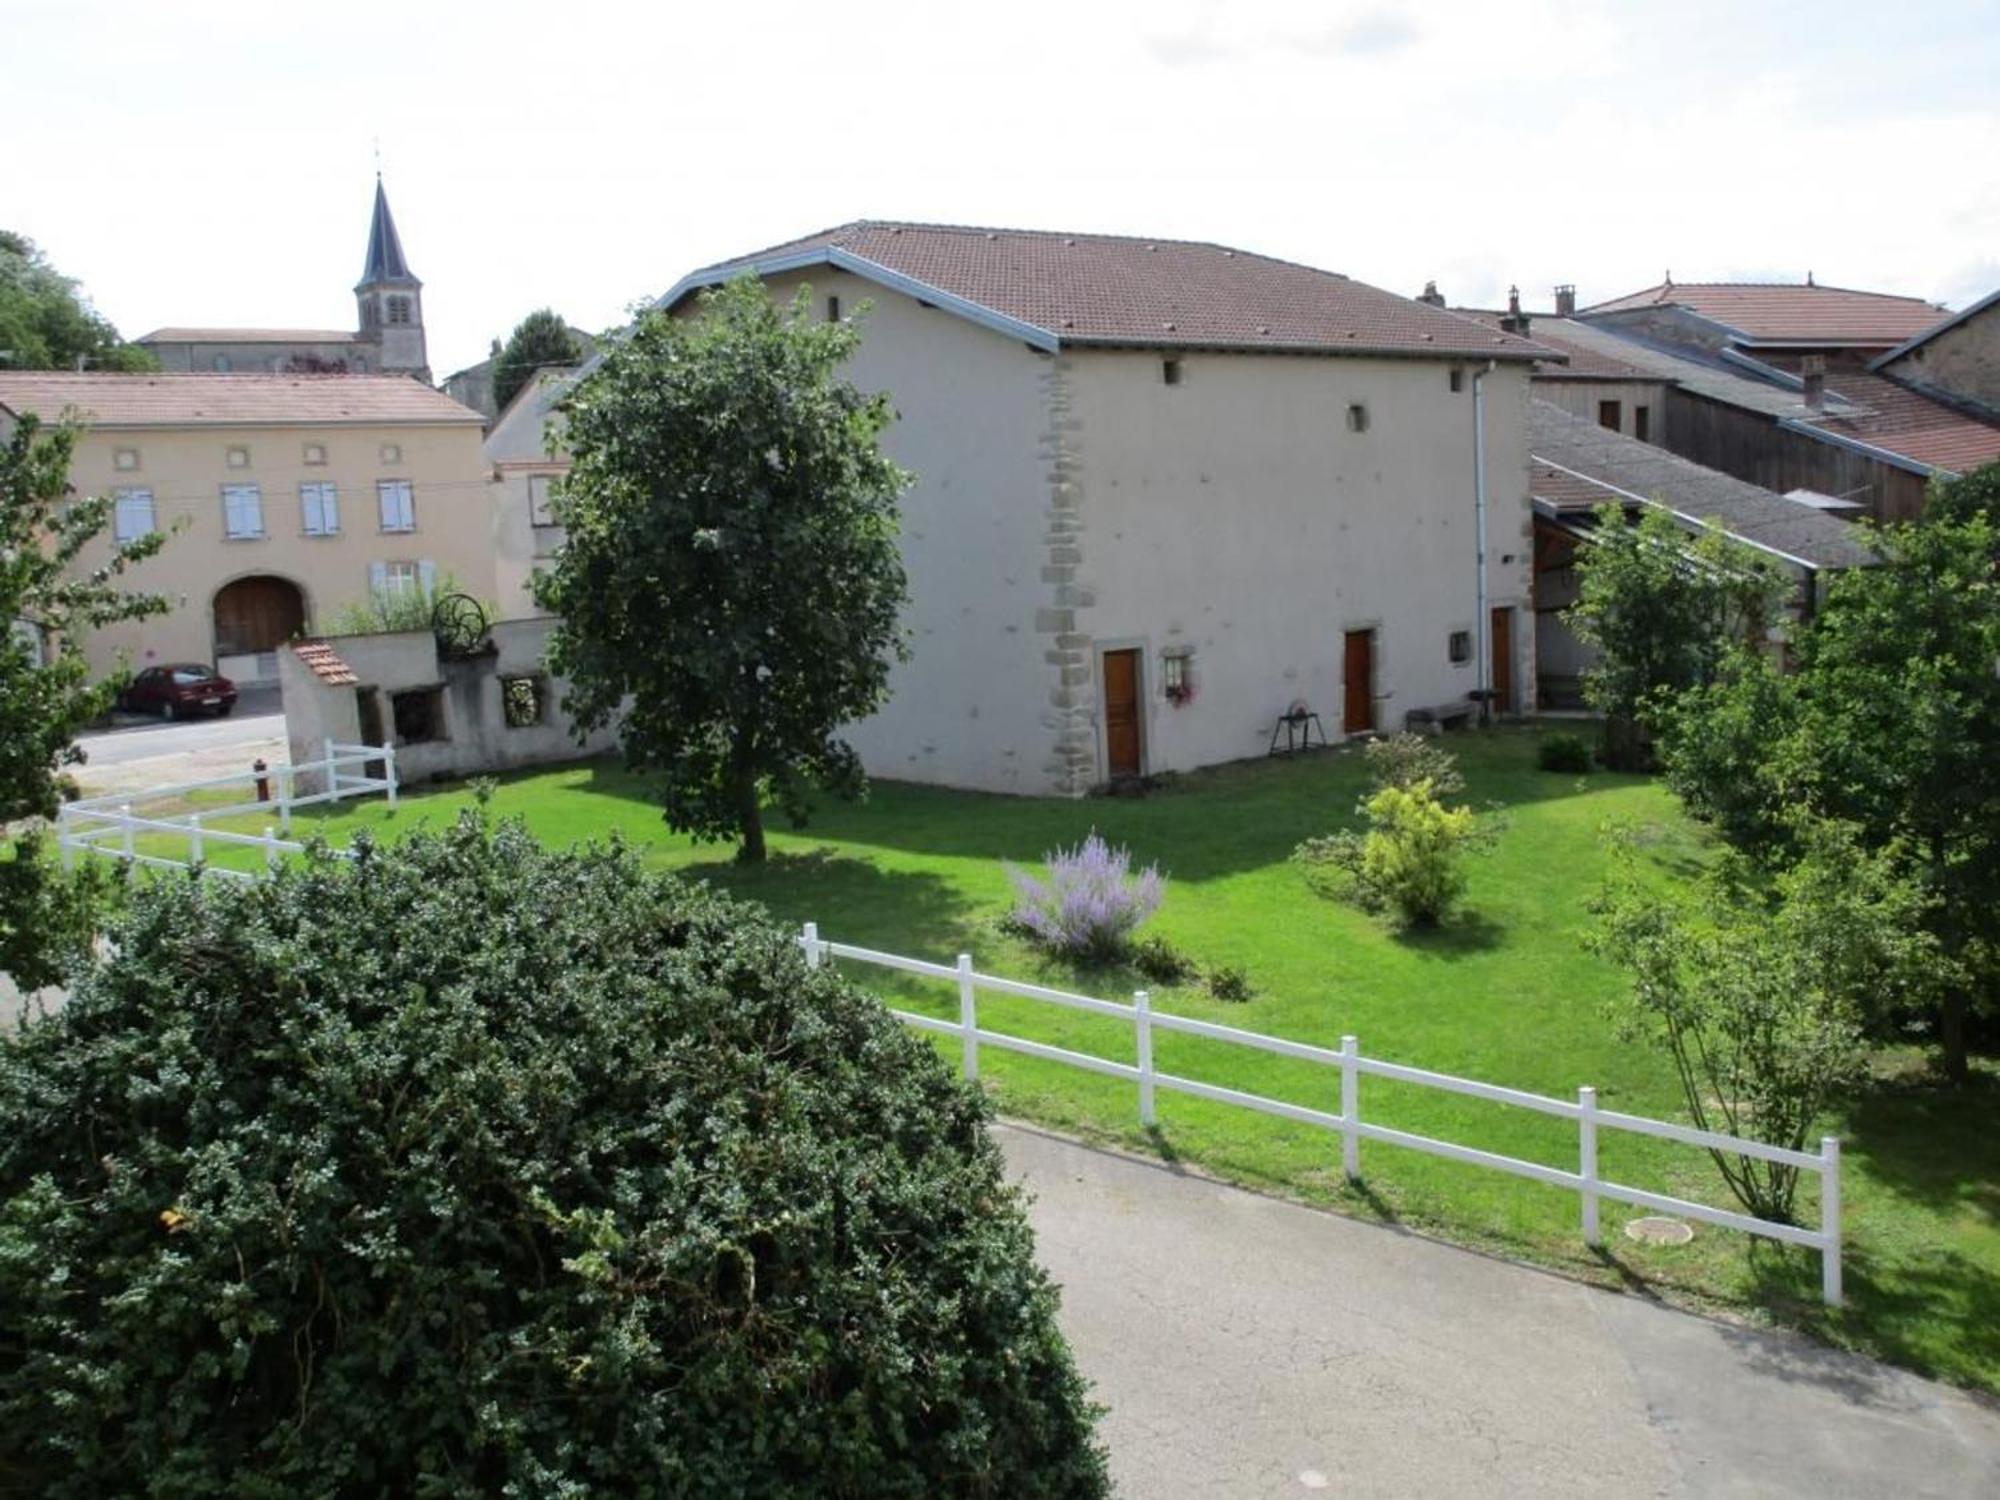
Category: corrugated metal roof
[1574,465]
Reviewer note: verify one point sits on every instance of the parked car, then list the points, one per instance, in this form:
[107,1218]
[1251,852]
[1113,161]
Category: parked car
[179,691]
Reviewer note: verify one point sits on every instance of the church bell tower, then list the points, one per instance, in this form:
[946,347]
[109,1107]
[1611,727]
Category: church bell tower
[391,299]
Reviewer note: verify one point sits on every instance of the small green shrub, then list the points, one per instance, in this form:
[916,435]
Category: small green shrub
[466,1168]
[1410,857]
[1568,753]
[1161,962]
[1227,983]
[1403,760]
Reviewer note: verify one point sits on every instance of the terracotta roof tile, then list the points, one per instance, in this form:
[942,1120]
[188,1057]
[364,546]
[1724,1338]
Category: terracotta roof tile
[1892,416]
[1790,312]
[105,400]
[325,663]
[1085,289]
[250,336]
[1584,362]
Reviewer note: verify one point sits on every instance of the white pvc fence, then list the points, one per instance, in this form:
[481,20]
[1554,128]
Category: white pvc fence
[110,826]
[1348,1122]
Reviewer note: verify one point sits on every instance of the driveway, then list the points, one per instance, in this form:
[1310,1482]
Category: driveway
[137,753]
[1251,1347]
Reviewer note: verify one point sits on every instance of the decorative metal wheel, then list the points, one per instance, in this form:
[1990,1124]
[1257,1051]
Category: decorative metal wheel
[459,623]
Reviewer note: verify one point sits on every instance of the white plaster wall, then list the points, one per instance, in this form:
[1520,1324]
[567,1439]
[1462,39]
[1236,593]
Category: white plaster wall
[1236,513]
[971,706]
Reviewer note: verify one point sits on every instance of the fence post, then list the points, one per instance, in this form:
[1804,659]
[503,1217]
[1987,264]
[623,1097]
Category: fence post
[63,844]
[389,768]
[332,775]
[1142,1012]
[285,797]
[1350,1108]
[270,847]
[809,940]
[1829,1220]
[968,1016]
[125,819]
[1586,1132]
[194,838]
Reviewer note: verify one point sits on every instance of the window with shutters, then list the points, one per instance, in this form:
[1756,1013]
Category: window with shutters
[395,578]
[539,513]
[242,512]
[133,517]
[398,505]
[319,509]
[399,310]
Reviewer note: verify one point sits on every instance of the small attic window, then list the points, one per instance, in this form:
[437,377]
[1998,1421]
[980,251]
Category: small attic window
[833,309]
[1170,371]
[1457,380]
[1357,417]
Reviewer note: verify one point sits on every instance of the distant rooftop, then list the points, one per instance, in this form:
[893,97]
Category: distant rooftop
[1058,290]
[249,336]
[1575,465]
[107,400]
[1790,313]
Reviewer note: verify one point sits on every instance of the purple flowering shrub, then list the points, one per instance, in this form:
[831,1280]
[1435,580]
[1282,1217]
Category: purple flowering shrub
[1090,902]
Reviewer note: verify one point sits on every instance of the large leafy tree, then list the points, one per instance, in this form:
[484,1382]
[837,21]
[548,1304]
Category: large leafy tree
[1661,609]
[584,1185]
[1890,723]
[45,323]
[541,338]
[47,605]
[730,588]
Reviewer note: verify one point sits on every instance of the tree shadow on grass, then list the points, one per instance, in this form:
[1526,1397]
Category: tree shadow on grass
[852,900]
[1932,1143]
[1938,1315]
[1201,826]
[1461,935]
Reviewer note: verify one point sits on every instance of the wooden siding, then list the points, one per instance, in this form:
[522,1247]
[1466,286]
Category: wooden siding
[1754,448]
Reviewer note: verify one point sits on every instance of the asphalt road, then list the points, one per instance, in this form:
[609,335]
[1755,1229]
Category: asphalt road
[137,753]
[1250,1347]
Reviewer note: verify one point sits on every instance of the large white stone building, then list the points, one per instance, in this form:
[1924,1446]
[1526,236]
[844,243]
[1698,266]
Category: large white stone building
[1167,490]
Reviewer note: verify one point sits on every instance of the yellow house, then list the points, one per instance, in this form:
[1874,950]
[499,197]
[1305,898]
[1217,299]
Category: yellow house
[285,498]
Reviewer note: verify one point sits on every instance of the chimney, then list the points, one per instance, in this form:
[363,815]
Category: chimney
[1513,302]
[1812,369]
[1431,294]
[1566,301]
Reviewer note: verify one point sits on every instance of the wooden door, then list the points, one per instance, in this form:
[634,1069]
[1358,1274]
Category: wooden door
[1358,676]
[257,614]
[1502,637]
[1121,713]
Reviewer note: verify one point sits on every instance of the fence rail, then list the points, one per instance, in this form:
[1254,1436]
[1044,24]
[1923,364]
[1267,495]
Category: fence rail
[109,826]
[1586,1181]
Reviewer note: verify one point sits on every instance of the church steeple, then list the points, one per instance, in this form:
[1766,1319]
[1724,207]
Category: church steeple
[391,298]
[385,247]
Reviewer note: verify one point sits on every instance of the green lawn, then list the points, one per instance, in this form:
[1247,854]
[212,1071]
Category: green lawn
[1507,996]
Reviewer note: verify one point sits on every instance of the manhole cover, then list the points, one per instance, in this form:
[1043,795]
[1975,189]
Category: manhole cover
[1658,1231]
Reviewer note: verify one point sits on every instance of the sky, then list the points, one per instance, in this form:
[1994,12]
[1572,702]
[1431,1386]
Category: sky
[208,162]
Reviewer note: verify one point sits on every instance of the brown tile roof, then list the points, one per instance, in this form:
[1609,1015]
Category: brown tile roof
[105,400]
[1584,362]
[1096,289]
[249,336]
[325,663]
[1892,416]
[1783,313]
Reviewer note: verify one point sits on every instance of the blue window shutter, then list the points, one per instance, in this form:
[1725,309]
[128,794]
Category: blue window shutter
[427,576]
[378,579]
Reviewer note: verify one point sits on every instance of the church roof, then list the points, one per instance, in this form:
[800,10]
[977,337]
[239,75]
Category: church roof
[385,247]
[249,336]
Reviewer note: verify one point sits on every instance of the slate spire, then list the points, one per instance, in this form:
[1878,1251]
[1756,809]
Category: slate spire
[385,249]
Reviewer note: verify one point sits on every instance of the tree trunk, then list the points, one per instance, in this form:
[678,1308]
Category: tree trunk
[1951,1037]
[749,818]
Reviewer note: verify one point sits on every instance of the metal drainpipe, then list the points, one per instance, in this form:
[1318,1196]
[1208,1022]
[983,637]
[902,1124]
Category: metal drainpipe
[1481,621]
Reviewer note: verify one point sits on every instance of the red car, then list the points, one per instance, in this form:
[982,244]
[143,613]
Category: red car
[179,691]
